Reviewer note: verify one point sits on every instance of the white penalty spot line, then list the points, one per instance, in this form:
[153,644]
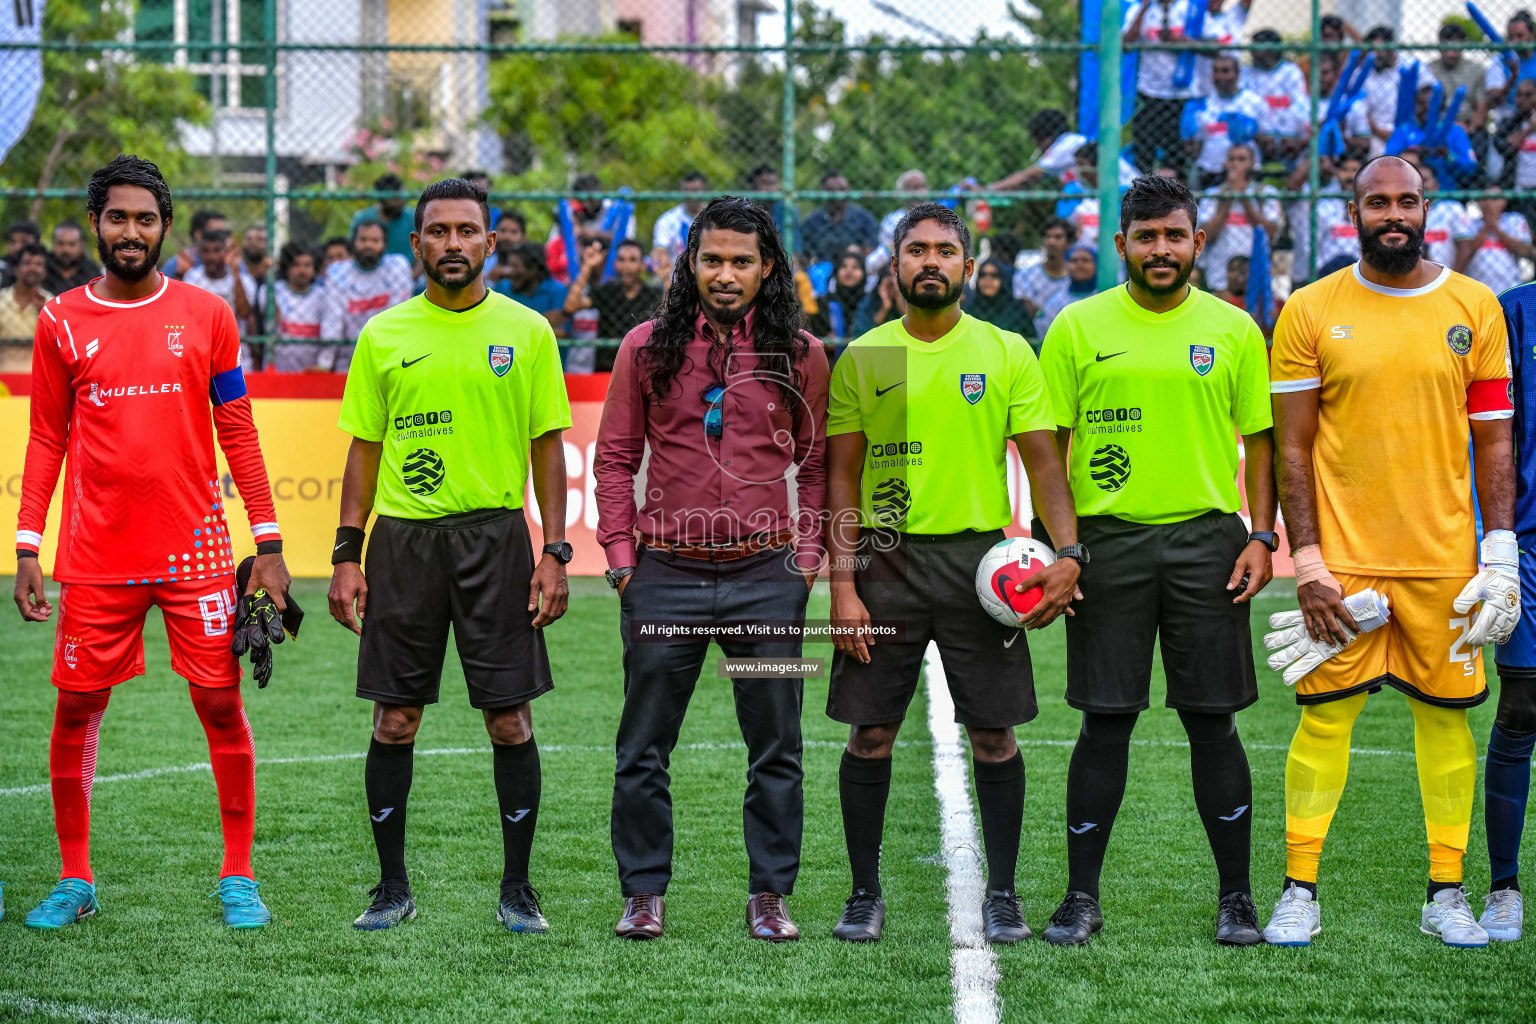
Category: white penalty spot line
[973,974]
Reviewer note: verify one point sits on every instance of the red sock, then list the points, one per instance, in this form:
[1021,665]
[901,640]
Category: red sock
[72,769]
[232,752]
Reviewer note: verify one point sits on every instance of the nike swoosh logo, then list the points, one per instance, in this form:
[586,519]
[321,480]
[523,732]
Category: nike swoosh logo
[1084,827]
[881,391]
[519,816]
[1010,640]
[338,547]
[1234,815]
[1099,359]
[413,362]
[382,814]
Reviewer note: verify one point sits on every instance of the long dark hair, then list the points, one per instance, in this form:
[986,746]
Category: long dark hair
[777,319]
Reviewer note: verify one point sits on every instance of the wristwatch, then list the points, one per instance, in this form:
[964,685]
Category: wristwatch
[613,576]
[1268,538]
[562,551]
[1076,551]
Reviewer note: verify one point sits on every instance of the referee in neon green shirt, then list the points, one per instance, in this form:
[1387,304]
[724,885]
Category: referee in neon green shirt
[1151,383]
[450,396]
[920,415]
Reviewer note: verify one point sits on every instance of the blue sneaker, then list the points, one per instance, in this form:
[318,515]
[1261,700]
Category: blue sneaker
[391,904]
[71,899]
[242,905]
[519,911]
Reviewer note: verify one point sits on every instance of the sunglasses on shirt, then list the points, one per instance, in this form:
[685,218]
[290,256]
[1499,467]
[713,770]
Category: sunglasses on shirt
[714,416]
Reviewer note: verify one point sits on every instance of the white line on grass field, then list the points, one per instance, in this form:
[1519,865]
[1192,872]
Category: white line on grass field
[29,1007]
[972,963]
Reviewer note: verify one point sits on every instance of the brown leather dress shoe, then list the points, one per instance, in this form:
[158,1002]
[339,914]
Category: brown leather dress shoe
[768,918]
[643,916]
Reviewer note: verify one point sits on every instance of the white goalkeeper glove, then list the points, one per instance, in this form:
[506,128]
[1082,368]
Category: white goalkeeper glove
[1296,653]
[1497,587]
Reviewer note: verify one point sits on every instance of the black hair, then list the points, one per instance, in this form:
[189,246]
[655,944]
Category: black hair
[1266,35]
[340,240]
[477,173]
[932,211]
[1239,256]
[513,216]
[1523,16]
[1088,149]
[1152,197]
[777,317]
[24,227]
[454,188]
[697,176]
[201,218]
[1226,56]
[290,252]
[214,236]
[1452,32]
[830,173]
[368,222]
[68,224]
[388,183]
[128,170]
[586,183]
[532,255]
[1360,174]
[631,243]
[1048,124]
[1006,246]
[1382,34]
[1064,224]
[1332,21]
[30,249]
[759,171]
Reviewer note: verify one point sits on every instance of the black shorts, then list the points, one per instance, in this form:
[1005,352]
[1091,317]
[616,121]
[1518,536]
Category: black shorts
[471,571]
[1160,583]
[927,584]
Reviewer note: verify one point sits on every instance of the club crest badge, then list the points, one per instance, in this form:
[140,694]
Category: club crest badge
[173,340]
[1202,358]
[501,359]
[973,386]
[1459,337]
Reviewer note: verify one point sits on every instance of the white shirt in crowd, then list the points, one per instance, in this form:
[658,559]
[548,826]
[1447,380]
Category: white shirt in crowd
[1155,68]
[671,231]
[1211,126]
[1225,28]
[302,317]
[1038,288]
[224,288]
[1381,99]
[1085,217]
[1060,159]
[1492,263]
[1446,224]
[1525,161]
[359,295]
[1283,88]
[1236,238]
[1497,77]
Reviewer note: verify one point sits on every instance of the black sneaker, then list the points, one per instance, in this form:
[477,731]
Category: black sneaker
[1002,918]
[1237,922]
[391,904]
[1075,920]
[519,910]
[863,918]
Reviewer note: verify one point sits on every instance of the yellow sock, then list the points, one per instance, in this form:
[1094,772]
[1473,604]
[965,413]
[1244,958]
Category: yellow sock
[1447,758]
[1314,780]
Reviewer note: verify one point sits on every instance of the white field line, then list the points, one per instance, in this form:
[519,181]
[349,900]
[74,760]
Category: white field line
[972,964]
[29,1007]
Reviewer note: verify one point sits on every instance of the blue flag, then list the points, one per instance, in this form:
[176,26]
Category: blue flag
[20,70]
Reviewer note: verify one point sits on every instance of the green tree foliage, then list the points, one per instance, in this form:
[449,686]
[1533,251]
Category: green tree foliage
[96,105]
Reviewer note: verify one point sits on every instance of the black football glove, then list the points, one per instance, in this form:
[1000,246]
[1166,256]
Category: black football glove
[259,625]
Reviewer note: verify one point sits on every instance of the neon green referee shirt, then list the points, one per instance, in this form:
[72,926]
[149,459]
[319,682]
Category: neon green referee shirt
[455,397]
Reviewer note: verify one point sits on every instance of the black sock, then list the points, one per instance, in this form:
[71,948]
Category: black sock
[1000,795]
[518,783]
[863,786]
[1512,882]
[1435,887]
[1223,793]
[1095,787]
[1289,881]
[387,781]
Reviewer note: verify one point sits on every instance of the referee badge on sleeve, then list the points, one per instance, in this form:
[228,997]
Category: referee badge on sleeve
[501,359]
[1202,358]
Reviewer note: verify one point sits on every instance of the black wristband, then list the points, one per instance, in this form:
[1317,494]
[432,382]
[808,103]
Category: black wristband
[349,545]
[269,547]
[25,553]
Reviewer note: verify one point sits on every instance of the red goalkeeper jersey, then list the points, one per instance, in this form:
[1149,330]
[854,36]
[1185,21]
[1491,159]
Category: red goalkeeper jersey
[131,392]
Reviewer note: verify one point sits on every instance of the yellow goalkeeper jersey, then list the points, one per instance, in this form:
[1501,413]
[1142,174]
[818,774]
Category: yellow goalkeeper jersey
[1400,371]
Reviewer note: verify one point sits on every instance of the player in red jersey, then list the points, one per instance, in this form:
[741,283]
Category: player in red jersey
[120,368]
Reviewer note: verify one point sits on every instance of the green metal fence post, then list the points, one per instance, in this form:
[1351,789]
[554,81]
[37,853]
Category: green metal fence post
[269,103]
[1109,141]
[787,177]
[1314,174]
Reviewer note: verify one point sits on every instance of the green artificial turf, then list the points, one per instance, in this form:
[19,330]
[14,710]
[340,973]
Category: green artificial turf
[157,951]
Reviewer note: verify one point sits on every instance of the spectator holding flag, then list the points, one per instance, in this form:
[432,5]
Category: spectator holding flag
[1159,102]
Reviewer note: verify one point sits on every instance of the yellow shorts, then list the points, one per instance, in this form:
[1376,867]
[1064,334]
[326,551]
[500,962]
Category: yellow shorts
[1422,650]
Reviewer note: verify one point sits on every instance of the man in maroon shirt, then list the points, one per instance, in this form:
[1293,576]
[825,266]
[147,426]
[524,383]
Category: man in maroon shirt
[730,395]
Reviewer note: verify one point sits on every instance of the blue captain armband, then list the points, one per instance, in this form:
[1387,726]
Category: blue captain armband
[226,387]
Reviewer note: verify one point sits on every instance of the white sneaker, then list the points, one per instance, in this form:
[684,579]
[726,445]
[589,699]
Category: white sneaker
[1449,916]
[1297,919]
[1503,915]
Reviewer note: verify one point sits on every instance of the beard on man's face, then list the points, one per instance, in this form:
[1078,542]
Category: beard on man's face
[455,272]
[1392,260]
[1137,272]
[725,305]
[928,298]
[129,261]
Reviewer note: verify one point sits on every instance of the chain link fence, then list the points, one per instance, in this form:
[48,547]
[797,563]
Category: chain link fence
[296,126]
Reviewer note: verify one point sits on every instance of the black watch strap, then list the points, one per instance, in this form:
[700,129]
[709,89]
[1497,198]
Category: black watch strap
[562,551]
[1268,538]
[613,576]
[1074,551]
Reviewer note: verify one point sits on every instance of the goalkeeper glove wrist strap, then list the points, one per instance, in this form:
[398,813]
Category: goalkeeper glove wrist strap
[269,547]
[25,553]
[349,545]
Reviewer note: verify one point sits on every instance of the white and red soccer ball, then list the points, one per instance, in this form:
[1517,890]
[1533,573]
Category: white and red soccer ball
[1005,565]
